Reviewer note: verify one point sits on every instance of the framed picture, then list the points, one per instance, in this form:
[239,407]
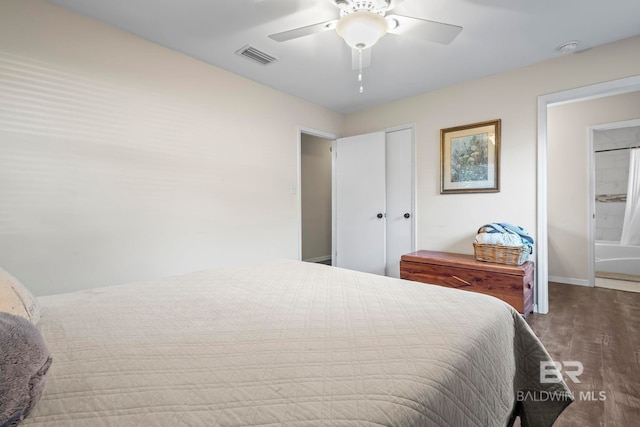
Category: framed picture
[470,158]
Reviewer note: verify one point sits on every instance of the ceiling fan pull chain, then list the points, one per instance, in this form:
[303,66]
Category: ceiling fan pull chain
[360,69]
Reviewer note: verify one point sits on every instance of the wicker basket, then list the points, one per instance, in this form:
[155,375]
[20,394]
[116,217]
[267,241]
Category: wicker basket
[513,255]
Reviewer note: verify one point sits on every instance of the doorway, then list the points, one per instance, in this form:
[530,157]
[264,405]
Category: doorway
[625,85]
[315,184]
[616,245]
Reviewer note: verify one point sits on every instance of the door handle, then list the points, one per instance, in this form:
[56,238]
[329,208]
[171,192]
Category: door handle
[407,215]
[379,216]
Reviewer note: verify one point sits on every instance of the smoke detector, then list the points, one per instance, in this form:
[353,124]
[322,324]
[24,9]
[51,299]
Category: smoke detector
[569,47]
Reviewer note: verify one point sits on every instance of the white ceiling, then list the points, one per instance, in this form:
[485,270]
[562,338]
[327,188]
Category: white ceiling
[498,35]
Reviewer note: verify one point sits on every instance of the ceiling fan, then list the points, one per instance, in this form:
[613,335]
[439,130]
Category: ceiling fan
[363,22]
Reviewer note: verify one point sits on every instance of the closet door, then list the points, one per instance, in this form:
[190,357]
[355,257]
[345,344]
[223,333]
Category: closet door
[360,192]
[399,195]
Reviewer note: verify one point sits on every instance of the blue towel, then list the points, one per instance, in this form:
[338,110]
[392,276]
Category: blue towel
[506,228]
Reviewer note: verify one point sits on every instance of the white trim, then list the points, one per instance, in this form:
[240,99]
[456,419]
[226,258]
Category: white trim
[314,132]
[400,127]
[570,281]
[616,125]
[614,87]
[541,294]
[334,203]
[591,209]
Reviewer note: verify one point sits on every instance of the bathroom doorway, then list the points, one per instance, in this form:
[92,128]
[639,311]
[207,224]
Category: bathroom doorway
[615,180]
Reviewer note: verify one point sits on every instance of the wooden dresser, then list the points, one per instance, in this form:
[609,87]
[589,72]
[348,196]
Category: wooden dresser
[511,283]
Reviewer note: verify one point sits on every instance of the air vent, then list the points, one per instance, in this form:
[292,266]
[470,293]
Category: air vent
[256,55]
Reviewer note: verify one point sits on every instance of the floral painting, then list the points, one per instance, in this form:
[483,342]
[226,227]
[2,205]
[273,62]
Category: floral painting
[469,161]
[470,158]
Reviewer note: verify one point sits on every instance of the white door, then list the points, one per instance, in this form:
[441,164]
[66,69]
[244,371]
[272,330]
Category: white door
[360,182]
[374,197]
[399,193]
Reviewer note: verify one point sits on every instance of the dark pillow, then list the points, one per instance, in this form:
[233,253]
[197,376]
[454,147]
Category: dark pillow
[24,361]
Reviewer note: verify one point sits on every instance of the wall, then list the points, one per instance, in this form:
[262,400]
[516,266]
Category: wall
[315,193]
[122,160]
[449,222]
[612,179]
[568,177]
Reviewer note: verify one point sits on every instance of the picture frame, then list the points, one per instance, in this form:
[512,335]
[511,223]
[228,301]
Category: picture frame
[470,158]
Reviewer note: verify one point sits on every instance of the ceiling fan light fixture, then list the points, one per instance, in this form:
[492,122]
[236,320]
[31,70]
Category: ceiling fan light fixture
[362,29]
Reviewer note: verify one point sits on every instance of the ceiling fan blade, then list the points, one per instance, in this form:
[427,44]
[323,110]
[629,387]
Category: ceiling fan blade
[423,29]
[355,60]
[304,31]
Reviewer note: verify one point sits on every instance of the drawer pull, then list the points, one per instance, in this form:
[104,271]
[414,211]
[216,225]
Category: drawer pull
[461,280]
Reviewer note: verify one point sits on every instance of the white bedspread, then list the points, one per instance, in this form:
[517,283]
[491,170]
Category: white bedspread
[286,343]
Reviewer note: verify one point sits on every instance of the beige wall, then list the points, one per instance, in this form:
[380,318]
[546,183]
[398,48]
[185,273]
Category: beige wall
[316,197]
[122,160]
[449,222]
[568,178]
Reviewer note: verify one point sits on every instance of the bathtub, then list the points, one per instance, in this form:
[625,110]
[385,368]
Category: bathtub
[615,258]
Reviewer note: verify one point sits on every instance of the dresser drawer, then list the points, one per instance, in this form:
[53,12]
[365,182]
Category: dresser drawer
[514,285]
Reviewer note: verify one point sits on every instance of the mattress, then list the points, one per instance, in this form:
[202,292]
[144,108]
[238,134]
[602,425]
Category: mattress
[287,343]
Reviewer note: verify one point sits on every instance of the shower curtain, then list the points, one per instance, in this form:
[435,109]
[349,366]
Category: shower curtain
[631,224]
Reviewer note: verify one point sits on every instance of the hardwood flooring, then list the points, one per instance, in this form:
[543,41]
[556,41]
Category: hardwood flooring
[601,329]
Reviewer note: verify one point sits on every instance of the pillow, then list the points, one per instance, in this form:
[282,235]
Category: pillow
[16,299]
[24,362]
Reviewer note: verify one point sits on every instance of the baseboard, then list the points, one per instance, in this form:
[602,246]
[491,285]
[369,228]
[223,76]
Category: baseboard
[318,259]
[570,281]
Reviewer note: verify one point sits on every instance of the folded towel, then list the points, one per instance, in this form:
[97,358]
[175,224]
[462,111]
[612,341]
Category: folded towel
[498,239]
[24,361]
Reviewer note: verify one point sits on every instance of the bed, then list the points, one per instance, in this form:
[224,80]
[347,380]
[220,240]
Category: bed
[287,343]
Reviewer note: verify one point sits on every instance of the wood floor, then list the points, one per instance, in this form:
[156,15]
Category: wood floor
[601,329]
